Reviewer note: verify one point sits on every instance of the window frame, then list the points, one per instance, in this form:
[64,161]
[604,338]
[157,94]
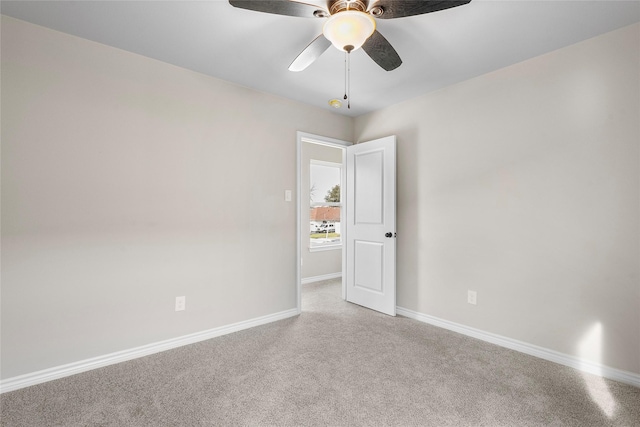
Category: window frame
[339,166]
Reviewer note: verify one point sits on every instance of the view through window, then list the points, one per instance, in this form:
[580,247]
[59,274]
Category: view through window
[325,204]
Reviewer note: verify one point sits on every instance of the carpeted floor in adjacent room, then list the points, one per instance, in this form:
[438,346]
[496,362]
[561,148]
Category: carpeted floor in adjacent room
[337,364]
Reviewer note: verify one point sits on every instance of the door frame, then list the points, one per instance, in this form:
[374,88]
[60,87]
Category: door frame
[332,142]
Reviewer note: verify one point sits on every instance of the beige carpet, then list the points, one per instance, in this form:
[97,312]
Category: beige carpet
[336,364]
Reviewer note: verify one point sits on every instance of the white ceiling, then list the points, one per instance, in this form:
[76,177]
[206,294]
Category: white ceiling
[255,49]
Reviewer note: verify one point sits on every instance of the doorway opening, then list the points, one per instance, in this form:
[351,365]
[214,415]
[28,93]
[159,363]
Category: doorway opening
[320,212]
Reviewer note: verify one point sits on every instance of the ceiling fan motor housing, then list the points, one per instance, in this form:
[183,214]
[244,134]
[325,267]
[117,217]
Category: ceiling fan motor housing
[336,6]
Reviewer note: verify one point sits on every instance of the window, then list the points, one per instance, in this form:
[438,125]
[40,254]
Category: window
[325,205]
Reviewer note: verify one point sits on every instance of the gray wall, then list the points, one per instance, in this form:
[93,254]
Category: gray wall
[127,182]
[523,185]
[320,262]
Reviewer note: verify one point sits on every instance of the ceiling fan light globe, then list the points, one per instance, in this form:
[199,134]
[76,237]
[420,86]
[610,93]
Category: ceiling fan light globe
[349,28]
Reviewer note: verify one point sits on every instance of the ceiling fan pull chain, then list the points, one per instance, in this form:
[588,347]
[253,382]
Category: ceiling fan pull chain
[345,76]
[349,79]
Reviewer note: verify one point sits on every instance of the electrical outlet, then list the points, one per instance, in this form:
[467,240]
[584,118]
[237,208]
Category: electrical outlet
[181,303]
[472,297]
[287,195]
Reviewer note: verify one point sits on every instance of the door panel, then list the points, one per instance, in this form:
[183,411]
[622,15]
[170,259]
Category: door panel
[370,212]
[368,258]
[368,174]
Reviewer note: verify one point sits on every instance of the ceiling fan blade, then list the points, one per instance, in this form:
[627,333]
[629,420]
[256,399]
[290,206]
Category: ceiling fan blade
[381,51]
[400,9]
[279,7]
[310,53]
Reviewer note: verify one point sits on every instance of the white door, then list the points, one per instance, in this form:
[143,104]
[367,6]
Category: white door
[371,225]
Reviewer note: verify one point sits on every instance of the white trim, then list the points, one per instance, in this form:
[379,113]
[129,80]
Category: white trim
[325,163]
[530,349]
[321,204]
[321,278]
[325,248]
[21,381]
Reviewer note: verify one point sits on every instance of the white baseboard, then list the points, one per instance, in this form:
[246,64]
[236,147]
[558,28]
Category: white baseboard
[45,375]
[530,349]
[313,279]
[15,383]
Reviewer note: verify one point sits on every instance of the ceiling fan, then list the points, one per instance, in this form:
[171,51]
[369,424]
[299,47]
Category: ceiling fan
[351,24]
